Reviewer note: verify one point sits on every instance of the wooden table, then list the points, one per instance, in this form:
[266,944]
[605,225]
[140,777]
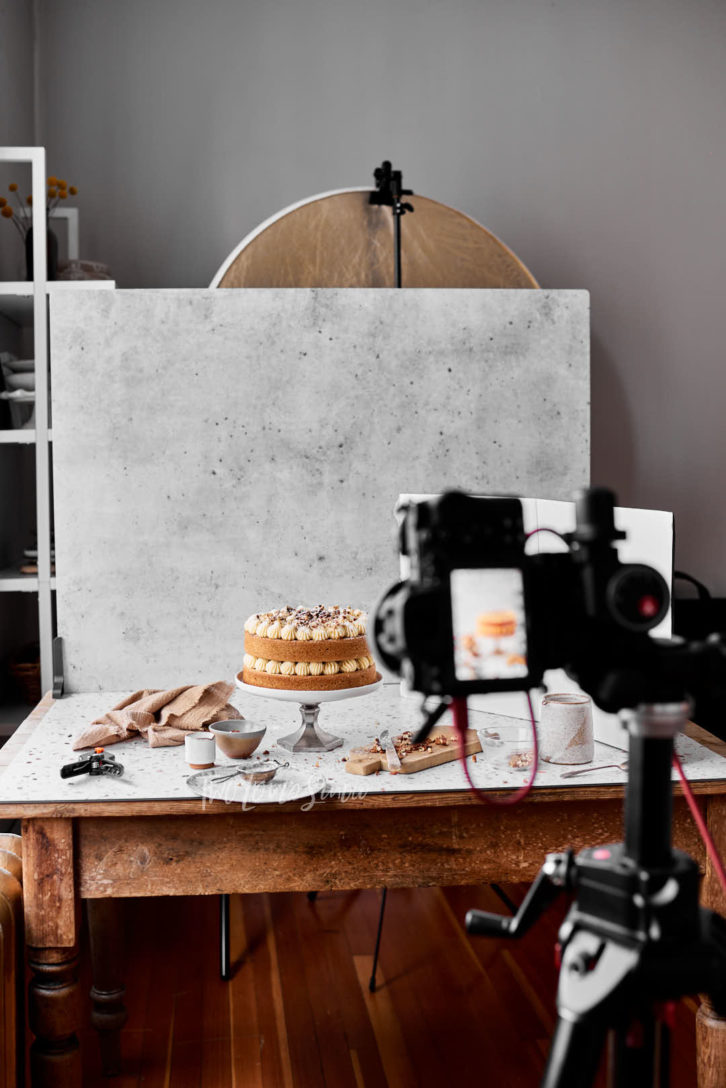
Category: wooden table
[102,850]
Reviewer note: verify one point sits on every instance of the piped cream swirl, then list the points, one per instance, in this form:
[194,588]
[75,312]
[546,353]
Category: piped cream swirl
[303,624]
[305,668]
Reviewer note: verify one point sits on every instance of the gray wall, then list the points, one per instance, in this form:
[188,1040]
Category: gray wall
[17,611]
[17,98]
[16,71]
[588,134]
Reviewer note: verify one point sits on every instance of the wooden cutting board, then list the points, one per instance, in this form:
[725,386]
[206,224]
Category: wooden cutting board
[362,762]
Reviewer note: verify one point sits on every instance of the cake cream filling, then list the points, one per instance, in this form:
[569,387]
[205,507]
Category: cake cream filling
[305,668]
[308,625]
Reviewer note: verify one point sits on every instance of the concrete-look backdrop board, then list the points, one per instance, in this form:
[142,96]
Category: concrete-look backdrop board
[221,452]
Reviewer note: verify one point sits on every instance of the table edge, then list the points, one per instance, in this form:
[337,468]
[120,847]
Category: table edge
[201,806]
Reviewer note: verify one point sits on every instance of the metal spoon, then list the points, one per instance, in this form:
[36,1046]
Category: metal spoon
[600,767]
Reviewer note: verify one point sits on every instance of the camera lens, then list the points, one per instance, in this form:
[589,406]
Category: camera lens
[637,597]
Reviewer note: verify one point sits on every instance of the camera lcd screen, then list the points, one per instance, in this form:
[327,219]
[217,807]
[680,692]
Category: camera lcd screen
[490,636]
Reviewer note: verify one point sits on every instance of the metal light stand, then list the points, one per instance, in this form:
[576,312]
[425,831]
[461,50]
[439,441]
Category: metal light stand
[635,939]
[388,194]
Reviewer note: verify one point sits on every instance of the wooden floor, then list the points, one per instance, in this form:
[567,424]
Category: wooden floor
[448,1011]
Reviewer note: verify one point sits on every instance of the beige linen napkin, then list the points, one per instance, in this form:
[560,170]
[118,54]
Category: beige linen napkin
[163,717]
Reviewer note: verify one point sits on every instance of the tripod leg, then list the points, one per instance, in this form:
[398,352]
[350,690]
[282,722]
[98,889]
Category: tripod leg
[575,1053]
[372,983]
[640,1054]
[224,958]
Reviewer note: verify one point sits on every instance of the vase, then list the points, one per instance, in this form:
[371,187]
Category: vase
[51,253]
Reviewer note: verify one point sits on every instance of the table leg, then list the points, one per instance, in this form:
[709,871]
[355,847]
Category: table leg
[108,1012]
[51,933]
[711,1028]
[54,1014]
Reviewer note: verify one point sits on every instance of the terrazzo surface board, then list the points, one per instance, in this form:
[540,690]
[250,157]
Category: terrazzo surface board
[218,452]
[162,773]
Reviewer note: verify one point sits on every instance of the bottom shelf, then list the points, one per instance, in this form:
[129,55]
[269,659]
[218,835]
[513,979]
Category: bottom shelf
[12,581]
[20,436]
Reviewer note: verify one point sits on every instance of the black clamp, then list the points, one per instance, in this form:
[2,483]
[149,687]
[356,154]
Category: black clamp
[97,763]
[389,189]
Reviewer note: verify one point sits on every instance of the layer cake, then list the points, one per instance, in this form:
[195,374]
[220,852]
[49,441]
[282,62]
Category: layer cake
[308,649]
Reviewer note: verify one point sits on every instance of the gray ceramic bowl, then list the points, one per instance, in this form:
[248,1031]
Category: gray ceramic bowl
[237,738]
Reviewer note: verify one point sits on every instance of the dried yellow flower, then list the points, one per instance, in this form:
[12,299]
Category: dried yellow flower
[52,193]
[73,191]
[7,211]
[13,187]
[63,194]
[29,200]
[62,184]
[52,181]
[3,201]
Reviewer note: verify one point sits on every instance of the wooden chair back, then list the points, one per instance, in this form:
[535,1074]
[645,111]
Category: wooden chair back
[12,989]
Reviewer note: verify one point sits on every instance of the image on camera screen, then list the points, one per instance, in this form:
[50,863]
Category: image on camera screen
[490,637]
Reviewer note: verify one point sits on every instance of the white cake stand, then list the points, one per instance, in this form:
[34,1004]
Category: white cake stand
[309,737]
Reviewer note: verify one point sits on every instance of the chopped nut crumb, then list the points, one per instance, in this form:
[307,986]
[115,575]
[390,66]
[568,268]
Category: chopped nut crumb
[404,744]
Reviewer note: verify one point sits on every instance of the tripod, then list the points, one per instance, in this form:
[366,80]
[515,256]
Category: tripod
[635,939]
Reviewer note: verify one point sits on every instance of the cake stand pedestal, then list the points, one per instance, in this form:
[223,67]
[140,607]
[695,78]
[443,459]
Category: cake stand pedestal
[309,736]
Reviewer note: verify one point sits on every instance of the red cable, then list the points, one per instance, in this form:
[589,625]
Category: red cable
[461,723]
[700,823]
[545,529]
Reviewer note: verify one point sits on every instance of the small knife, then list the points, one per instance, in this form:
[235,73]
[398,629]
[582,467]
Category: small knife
[394,763]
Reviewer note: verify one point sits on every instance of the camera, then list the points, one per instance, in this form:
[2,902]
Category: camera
[477,614]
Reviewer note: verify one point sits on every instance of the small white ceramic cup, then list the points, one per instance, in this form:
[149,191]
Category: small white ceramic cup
[565,728]
[199,750]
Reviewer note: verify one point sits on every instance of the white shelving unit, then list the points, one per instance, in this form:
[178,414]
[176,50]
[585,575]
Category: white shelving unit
[36,297]
[26,305]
